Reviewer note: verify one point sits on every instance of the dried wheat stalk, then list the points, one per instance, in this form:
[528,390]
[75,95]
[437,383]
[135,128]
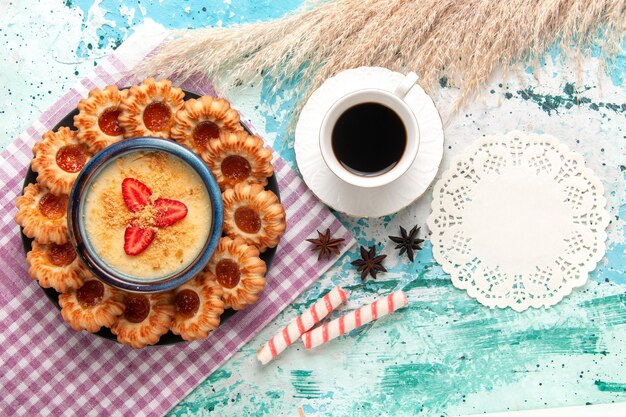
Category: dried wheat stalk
[463,40]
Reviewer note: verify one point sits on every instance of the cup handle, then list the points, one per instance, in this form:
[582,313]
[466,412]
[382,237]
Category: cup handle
[406,84]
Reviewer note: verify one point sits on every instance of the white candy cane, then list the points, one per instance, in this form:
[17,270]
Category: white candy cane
[299,326]
[354,319]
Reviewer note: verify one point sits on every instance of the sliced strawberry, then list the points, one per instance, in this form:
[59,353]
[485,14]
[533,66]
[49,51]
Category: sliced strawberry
[136,194]
[137,239]
[167,212]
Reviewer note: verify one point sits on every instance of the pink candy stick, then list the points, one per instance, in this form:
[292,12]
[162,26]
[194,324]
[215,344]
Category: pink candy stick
[354,319]
[299,326]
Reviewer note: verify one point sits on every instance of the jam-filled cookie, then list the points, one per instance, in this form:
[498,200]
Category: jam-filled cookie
[149,109]
[43,215]
[145,319]
[198,305]
[254,214]
[56,266]
[92,306]
[97,121]
[239,158]
[238,270]
[58,160]
[201,121]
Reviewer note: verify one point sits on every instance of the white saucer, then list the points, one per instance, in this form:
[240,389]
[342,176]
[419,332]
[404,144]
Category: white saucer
[370,202]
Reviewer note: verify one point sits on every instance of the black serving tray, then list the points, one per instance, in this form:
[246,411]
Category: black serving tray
[168,338]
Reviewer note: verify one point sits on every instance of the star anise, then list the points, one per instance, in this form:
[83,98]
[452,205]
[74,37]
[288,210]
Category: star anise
[408,242]
[326,245]
[369,263]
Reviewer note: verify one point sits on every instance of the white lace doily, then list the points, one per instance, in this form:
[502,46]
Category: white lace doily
[518,221]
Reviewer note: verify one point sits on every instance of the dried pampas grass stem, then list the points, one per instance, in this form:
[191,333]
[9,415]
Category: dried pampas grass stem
[463,40]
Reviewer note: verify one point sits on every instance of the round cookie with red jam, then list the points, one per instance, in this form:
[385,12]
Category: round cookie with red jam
[238,270]
[198,304]
[58,160]
[145,319]
[149,109]
[201,122]
[56,266]
[92,306]
[254,214]
[97,120]
[42,215]
[239,158]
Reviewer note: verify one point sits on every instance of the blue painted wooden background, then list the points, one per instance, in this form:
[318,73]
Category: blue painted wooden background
[445,354]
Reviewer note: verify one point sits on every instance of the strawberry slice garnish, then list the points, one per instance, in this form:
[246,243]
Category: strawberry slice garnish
[136,194]
[137,239]
[167,212]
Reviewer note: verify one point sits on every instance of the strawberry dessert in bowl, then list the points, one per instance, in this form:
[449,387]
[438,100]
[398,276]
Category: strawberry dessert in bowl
[145,215]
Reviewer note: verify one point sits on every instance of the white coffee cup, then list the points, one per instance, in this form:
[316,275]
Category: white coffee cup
[394,100]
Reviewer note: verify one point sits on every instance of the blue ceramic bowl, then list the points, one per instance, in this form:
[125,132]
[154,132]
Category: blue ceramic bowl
[78,233]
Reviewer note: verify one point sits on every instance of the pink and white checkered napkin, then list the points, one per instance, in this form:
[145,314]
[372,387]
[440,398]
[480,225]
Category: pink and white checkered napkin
[48,369]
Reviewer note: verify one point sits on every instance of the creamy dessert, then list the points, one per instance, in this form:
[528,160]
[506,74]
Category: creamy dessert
[147,214]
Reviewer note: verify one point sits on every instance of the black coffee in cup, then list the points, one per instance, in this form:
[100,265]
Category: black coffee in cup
[369,139]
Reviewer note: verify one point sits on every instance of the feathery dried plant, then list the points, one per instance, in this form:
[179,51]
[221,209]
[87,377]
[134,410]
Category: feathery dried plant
[465,40]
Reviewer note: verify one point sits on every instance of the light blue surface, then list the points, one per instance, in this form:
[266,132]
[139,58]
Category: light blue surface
[443,355]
